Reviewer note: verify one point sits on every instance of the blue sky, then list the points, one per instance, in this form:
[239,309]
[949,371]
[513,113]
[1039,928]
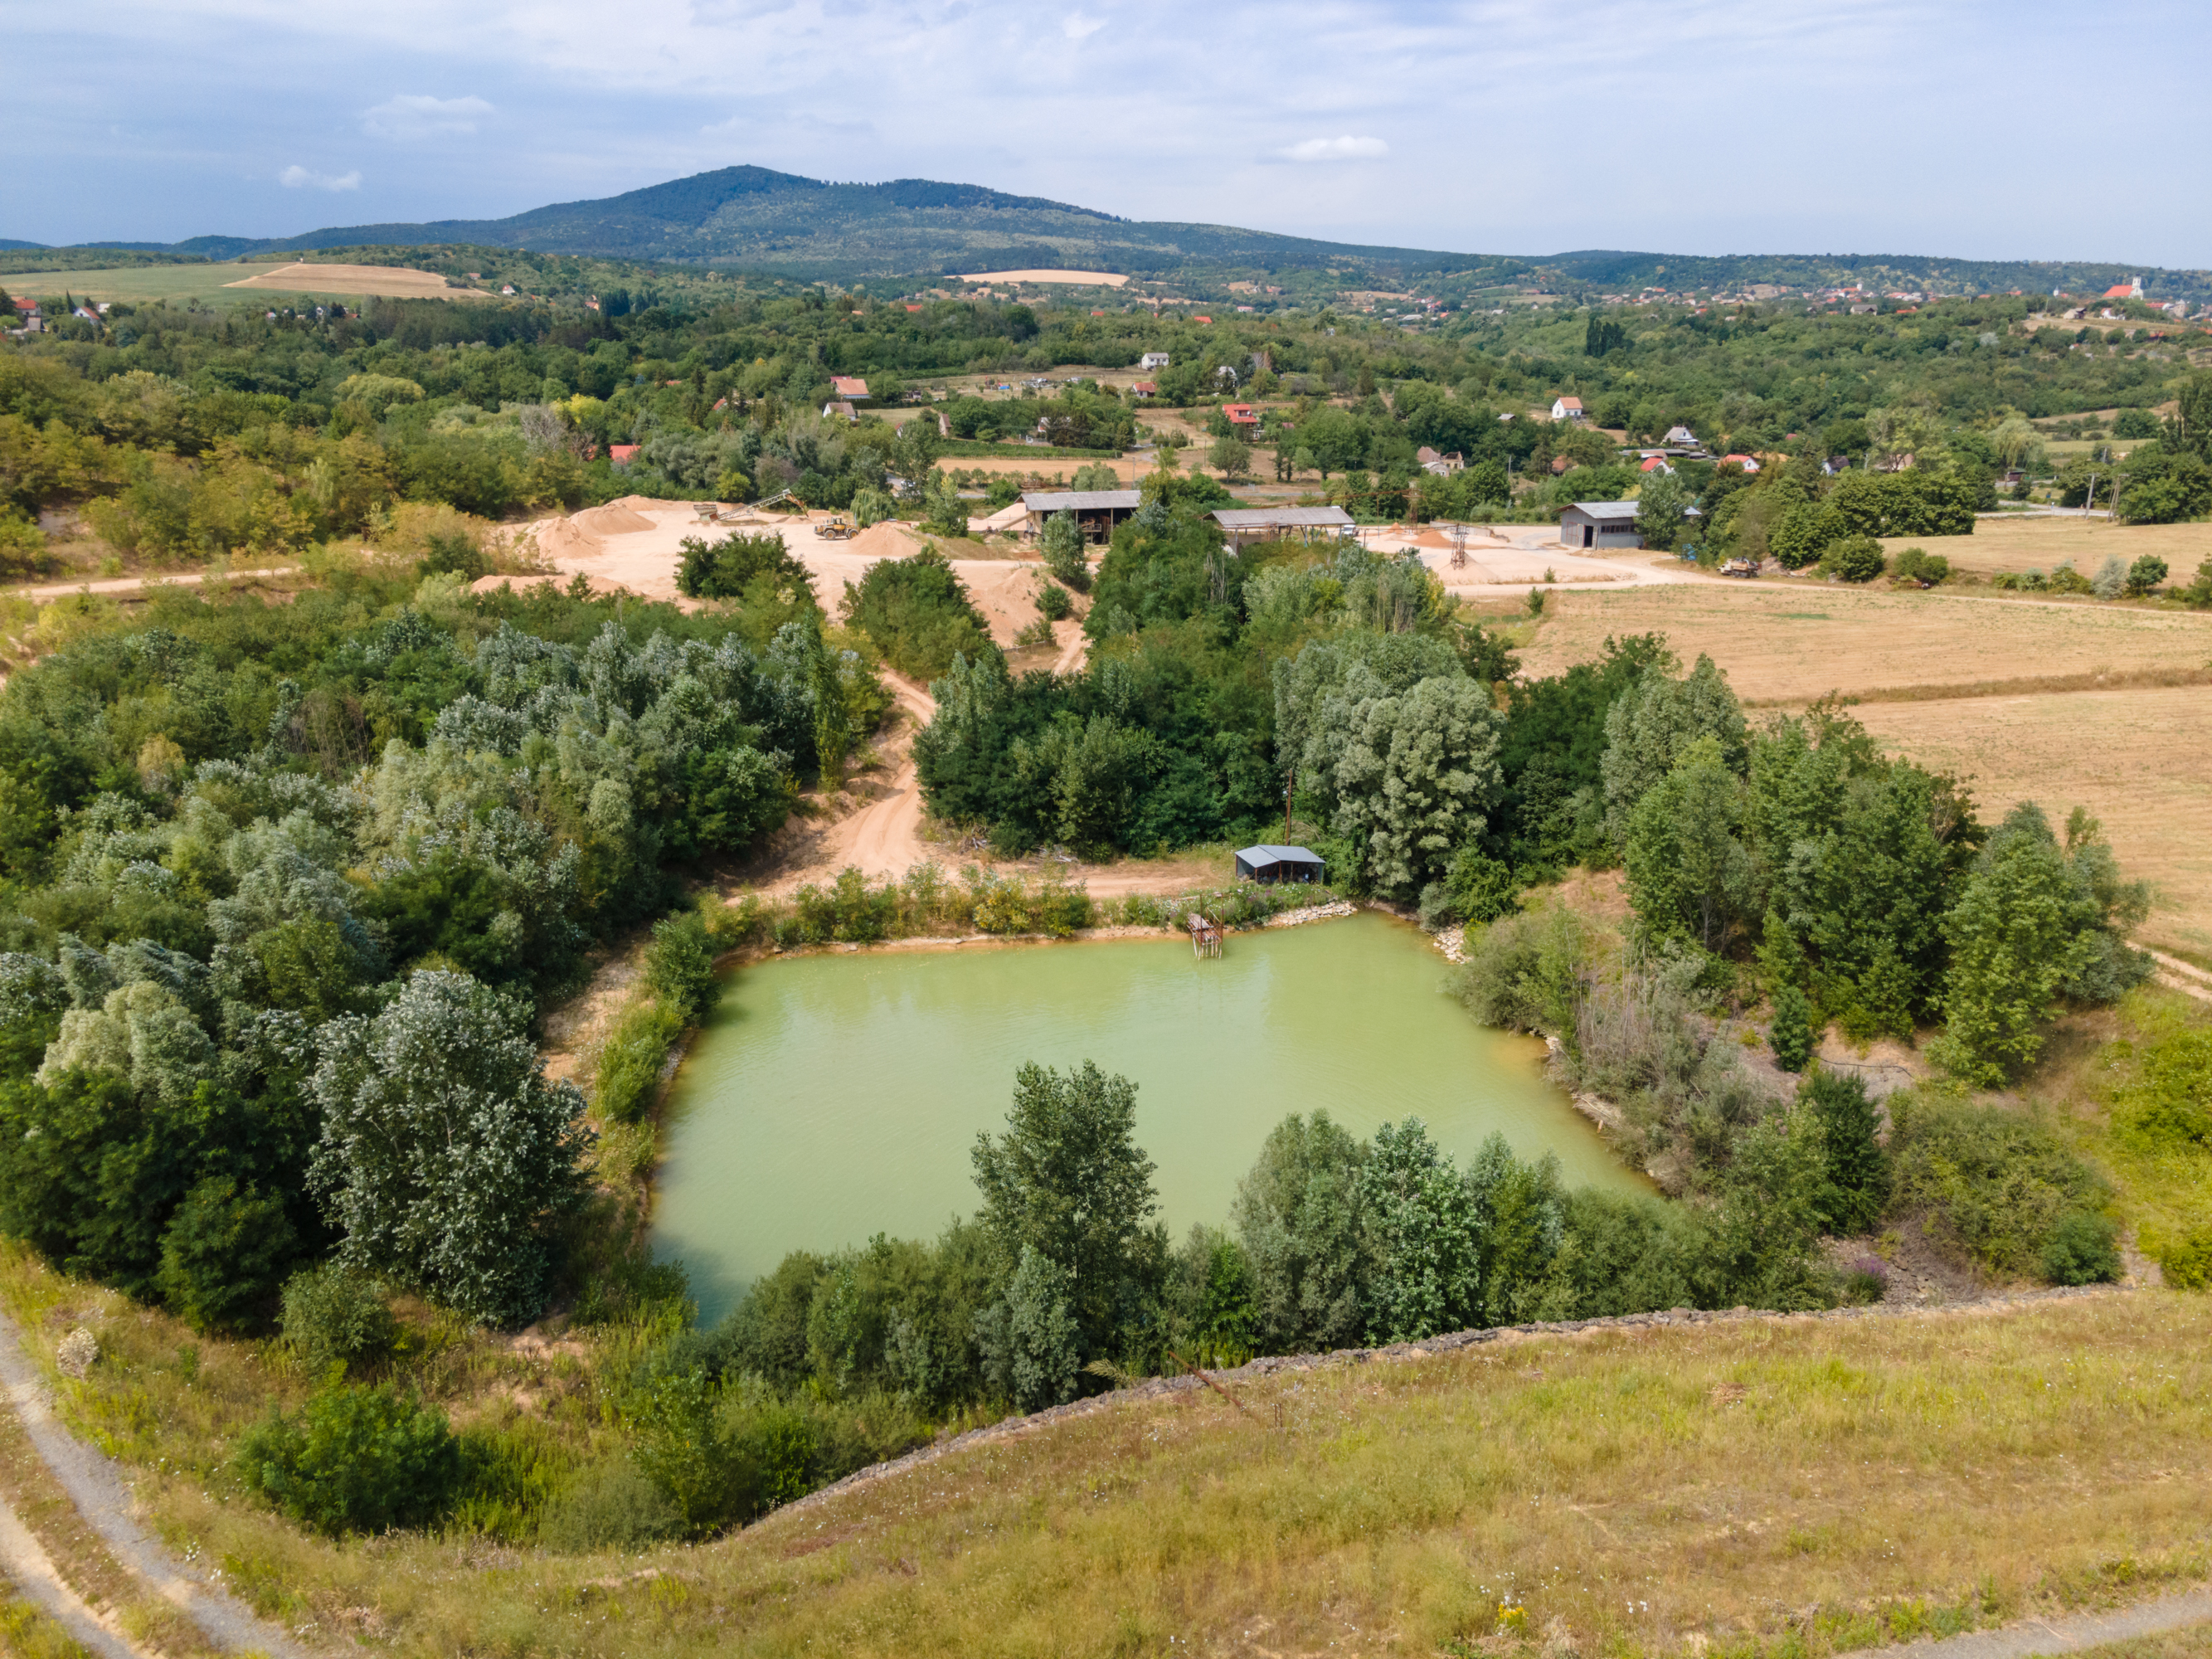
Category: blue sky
[1971,128]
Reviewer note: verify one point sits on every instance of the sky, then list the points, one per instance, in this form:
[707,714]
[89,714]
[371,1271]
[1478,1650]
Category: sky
[1976,129]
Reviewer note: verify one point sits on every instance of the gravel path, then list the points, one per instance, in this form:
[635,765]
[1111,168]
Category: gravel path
[31,1570]
[2067,1635]
[95,1485]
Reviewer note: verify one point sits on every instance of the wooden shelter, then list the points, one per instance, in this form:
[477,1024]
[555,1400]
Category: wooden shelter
[1270,864]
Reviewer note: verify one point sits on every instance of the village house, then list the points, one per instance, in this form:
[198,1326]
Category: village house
[622,454]
[1566,409]
[1442,466]
[850,387]
[1651,464]
[1153,360]
[839,409]
[1598,525]
[1680,437]
[1242,416]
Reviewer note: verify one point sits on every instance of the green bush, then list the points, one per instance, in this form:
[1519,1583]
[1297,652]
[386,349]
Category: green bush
[355,1460]
[679,966]
[1854,559]
[1790,1035]
[918,615]
[2171,1106]
[1524,972]
[224,1255]
[630,1062]
[1917,564]
[2187,1264]
[2080,1250]
[1482,888]
[1995,1182]
[1054,602]
[726,569]
[334,1314]
[1857,1174]
[1061,544]
[612,1507]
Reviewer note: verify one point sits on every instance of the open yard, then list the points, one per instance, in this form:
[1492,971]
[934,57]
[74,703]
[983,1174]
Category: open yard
[2011,545]
[142,284]
[2140,760]
[1791,644]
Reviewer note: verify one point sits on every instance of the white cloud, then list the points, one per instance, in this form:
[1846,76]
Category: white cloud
[298,178]
[1346,148]
[415,115]
[1077,26]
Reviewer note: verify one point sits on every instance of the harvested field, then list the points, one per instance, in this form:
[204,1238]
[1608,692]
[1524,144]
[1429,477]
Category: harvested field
[1786,645]
[211,284]
[2014,544]
[391,282]
[2140,761]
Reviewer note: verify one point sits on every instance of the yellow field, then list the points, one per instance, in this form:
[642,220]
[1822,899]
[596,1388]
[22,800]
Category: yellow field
[2011,545]
[142,284]
[1791,644]
[1064,278]
[2141,760]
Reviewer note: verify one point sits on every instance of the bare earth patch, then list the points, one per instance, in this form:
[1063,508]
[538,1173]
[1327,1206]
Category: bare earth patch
[394,282]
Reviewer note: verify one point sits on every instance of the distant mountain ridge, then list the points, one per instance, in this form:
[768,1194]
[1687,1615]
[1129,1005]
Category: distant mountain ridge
[752,218]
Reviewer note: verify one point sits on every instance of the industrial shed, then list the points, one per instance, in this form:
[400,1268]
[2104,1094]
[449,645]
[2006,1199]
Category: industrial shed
[1600,524]
[1270,864]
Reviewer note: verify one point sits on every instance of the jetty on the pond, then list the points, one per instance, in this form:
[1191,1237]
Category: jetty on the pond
[1205,934]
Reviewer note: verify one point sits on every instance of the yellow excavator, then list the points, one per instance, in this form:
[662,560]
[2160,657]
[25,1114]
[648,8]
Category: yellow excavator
[834,528]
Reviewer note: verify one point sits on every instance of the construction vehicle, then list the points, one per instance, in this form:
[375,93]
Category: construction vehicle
[834,528]
[1741,567]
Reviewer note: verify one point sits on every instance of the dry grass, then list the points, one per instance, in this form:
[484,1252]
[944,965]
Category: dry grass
[2140,760]
[2194,1642]
[1770,1485]
[141,284]
[1791,644]
[1794,1486]
[395,281]
[1999,545]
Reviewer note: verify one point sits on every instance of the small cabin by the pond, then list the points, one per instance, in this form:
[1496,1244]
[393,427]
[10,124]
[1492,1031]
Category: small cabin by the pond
[1270,864]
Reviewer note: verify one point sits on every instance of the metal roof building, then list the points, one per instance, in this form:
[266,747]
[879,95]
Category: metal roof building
[1269,865]
[1274,524]
[1600,524]
[1096,510]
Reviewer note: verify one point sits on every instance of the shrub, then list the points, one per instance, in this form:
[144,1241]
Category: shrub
[2067,579]
[2187,1264]
[1061,544]
[2145,574]
[2172,1104]
[631,1059]
[332,1314]
[2080,1250]
[1917,564]
[1995,1182]
[723,569]
[1054,602]
[224,1255]
[355,1460]
[1482,888]
[1857,1179]
[2111,578]
[1525,972]
[611,1507]
[1854,559]
[1036,636]
[679,966]
[1790,1035]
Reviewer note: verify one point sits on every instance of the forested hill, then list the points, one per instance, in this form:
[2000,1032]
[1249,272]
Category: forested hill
[756,219]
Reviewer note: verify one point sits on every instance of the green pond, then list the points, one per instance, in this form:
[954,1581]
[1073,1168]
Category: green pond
[836,1097]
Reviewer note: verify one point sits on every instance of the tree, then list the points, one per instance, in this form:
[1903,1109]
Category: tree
[1857,1184]
[1069,1181]
[2145,574]
[2191,428]
[1660,504]
[2016,935]
[1689,876]
[1418,775]
[1429,1278]
[355,1460]
[1061,544]
[446,1157]
[1031,1345]
[224,1255]
[1854,558]
[1301,1214]
[1649,726]
[1231,456]
[1790,1035]
[679,966]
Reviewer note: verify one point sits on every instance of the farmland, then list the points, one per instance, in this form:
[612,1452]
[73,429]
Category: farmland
[222,283]
[2041,544]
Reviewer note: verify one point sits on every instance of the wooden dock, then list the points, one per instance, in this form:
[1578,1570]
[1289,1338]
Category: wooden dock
[1205,935]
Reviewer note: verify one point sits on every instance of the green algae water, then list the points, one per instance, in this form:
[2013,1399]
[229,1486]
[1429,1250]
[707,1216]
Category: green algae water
[836,1096]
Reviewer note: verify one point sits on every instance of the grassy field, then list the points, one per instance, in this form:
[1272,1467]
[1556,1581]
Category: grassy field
[2140,760]
[1791,644]
[1792,1486]
[2014,544]
[142,284]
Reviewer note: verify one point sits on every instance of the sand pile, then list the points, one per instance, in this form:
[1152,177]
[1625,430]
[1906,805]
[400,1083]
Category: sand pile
[566,538]
[614,519]
[886,540]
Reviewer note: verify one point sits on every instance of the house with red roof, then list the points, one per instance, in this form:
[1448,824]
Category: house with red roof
[622,454]
[2129,291]
[849,386]
[1566,409]
[1240,415]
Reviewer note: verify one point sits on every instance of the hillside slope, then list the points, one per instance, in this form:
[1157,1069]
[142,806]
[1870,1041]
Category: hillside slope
[756,219]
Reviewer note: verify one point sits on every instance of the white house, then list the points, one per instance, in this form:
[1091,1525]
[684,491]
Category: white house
[1681,437]
[1153,360]
[1566,409]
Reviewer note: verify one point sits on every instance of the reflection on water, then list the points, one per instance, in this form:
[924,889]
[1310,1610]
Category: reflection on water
[836,1096]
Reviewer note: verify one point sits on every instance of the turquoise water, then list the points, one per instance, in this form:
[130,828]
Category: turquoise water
[836,1096]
